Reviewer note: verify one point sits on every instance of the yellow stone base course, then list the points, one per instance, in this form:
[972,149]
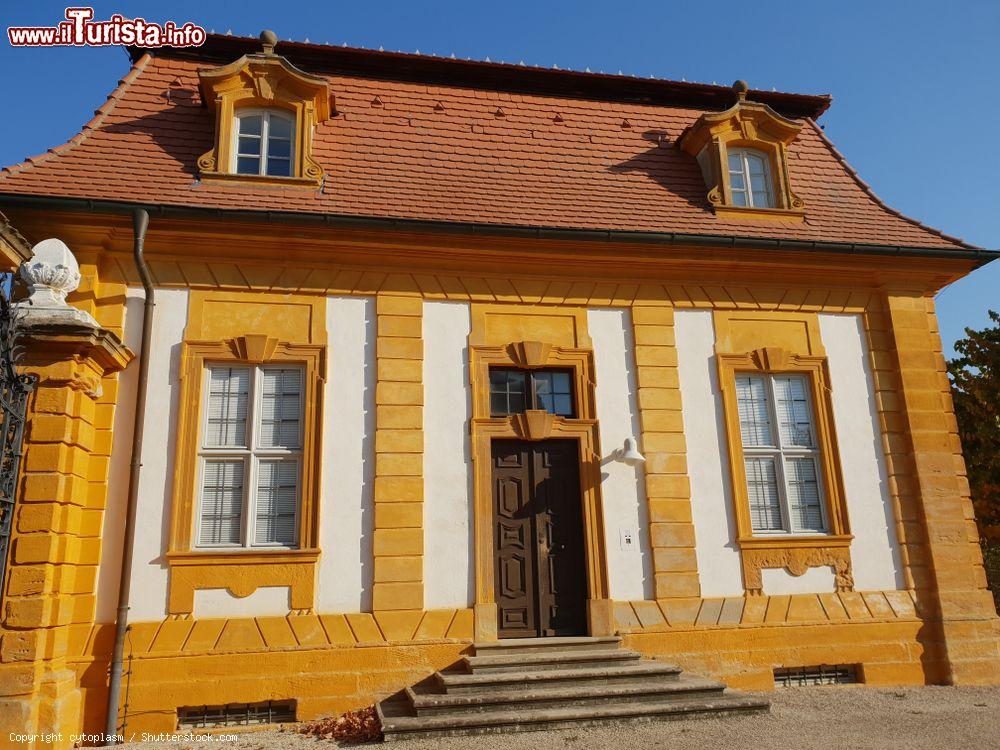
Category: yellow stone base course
[334,663]
[741,640]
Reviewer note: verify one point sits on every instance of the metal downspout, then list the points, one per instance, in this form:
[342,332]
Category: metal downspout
[140,221]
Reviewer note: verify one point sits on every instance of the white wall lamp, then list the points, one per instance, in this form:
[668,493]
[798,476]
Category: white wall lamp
[629,453]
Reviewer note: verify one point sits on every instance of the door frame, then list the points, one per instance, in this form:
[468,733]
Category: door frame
[529,426]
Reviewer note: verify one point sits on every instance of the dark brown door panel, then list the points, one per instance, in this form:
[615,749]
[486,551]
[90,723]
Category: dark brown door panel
[539,554]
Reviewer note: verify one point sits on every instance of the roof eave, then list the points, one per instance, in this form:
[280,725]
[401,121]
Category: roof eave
[979,256]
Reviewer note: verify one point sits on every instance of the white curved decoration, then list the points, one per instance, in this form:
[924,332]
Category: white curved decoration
[50,274]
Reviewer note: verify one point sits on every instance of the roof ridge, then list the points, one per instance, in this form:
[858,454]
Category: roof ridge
[871,193]
[89,127]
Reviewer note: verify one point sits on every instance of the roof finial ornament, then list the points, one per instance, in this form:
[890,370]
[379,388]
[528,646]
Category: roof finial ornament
[267,40]
[740,87]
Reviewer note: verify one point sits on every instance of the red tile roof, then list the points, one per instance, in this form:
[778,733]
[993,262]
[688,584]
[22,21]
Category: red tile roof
[498,146]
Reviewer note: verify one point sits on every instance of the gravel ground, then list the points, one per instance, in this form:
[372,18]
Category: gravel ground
[941,718]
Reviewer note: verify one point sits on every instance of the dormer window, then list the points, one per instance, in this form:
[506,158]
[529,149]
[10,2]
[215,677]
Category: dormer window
[264,140]
[743,155]
[750,178]
[267,111]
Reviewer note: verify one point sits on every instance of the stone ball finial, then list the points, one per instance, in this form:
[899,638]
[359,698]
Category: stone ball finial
[741,88]
[267,40]
[51,273]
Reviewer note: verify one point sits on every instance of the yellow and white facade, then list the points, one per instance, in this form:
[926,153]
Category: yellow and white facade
[391,570]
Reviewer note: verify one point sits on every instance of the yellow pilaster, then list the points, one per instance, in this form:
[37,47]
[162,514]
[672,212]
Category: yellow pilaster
[49,599]
[399,483]
[933,492]
[668,489]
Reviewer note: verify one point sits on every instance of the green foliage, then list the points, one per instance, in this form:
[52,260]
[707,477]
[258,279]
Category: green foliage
[975,381]
[975,385]
[991,561]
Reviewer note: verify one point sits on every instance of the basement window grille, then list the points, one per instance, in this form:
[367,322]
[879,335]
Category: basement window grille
[822,674]
[235,715]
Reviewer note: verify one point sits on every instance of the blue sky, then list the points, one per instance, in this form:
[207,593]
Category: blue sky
[914,82]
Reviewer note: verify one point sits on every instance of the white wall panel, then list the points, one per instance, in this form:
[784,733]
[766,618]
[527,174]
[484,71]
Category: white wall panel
[875,554]
[156,481]
[630,566]
[346,504]
[448,546]
[719,568]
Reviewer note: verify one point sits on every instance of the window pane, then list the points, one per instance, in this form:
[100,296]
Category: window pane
[762,491]
[279,127]
[739,198]
[279,147]
[507,394]
[803,494]
[561,383]
[250,125]
[279,167]
[228,393]
[756,165]
[276,502]
[249,146]
[762,199]
[248,165]
[736,181]
[280,408]
[792,403]
[543,383]
[735,162]
[563,405]
[553,392]
[221,502]
[755,422]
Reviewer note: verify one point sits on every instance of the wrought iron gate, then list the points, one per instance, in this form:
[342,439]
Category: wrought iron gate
[14,390]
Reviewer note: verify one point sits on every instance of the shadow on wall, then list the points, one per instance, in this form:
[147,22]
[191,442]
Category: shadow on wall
[367,547]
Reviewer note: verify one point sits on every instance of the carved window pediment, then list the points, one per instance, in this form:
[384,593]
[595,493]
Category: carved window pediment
[264,81]
[746,127]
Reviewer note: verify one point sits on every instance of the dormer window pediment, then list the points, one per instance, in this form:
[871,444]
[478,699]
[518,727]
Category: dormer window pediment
[266,110]
[743,156]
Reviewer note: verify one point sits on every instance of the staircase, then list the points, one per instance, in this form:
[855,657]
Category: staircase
[553,683]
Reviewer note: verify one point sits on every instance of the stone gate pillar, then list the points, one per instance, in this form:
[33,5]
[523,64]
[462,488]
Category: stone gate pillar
[48,604]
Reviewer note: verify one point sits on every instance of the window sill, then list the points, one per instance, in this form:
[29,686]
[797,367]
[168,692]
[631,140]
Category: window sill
[789,541]
[242,556]
[260,179]
[748,212]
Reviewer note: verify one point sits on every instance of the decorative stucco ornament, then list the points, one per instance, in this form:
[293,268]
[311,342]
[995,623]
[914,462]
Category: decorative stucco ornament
[50,274]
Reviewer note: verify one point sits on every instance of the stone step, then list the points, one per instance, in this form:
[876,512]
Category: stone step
[630,672]
[427,703]
[398,723]
[538,645]
[549,660]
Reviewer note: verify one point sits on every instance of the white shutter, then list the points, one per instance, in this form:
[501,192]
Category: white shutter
[221,502]
[228,396]
[277,493]
[792,406]
[281,408]
[803,494]
[762,492]
[755,421]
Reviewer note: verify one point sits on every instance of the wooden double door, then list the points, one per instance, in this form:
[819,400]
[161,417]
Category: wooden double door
[539,558]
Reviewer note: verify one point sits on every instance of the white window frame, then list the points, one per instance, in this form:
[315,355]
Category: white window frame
[743,153]
[265,133]
[251,454]
[780,452]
